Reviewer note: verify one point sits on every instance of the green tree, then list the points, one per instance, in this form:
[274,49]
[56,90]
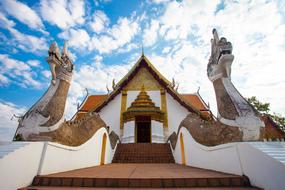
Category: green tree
[264,108]
[259,106]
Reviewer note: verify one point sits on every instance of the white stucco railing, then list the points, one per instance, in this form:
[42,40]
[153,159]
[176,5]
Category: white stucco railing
[18,168]
[59,158]
[242,158]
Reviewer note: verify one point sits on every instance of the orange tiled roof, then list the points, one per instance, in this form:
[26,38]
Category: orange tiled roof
[92,102]
[195,101]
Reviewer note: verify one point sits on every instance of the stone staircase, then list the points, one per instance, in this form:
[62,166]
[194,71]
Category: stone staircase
[9,147]
[275,150]
[143,153]
[143,176]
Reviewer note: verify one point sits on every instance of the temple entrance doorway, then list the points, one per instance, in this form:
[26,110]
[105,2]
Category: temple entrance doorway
[143,129]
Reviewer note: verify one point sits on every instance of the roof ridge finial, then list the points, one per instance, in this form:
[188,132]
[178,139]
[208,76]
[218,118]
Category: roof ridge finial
[142,88]
[142,50]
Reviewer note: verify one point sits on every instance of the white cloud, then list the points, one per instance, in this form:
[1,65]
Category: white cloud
[18,72]
[23,13]
[34,63]
[8,123]
[63,13]
[20,40]
[124,30]
[72,56]
[98,58]
[100,21]
[179,17]
[115,37]
[77,38]
[128,47]
[166,50]
[258,50]
[118,35]
[96,76]
[4,22]
[9,64]
[160,1]
[27,42]
[4,80]
[150,34]
[46,74]
[98,2]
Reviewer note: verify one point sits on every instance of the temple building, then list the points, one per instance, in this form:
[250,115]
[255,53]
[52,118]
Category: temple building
[145,106]
[144,134]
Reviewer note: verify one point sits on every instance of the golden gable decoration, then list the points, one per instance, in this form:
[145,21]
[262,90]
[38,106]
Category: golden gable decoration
[143,106]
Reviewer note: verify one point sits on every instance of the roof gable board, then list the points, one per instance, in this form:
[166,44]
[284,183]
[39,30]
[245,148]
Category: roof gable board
[144,63]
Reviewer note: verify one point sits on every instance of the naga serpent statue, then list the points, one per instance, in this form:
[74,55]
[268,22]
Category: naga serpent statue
[45,119]
[233,109]
[48,112]
[237,120]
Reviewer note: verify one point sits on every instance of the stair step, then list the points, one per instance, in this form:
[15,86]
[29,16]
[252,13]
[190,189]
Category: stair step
[276,150]
[279,158]
[239,181]
[143,153]
[276,154]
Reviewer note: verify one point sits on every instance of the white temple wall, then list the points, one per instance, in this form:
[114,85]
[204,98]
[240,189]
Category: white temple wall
[131,96]
[129,132]
[157,132]
[111,114]
[155,97]
[176,113]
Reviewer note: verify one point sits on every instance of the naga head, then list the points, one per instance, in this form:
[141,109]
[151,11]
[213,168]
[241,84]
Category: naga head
[60,64]
[221,58]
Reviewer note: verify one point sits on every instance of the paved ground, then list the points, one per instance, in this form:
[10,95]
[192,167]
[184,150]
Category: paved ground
[86,188]
[143,171]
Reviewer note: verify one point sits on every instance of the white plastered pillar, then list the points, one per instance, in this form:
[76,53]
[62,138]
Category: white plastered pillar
[129,132]
[157,135]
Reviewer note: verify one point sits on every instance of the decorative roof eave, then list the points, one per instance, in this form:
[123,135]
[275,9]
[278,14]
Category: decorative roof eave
[143,61]
[80,108]
[274,124]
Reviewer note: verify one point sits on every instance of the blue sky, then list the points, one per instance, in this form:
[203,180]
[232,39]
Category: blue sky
[106,37]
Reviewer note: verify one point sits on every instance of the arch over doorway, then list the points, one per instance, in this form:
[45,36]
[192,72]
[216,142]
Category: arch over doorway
[182,149]
[103,149]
